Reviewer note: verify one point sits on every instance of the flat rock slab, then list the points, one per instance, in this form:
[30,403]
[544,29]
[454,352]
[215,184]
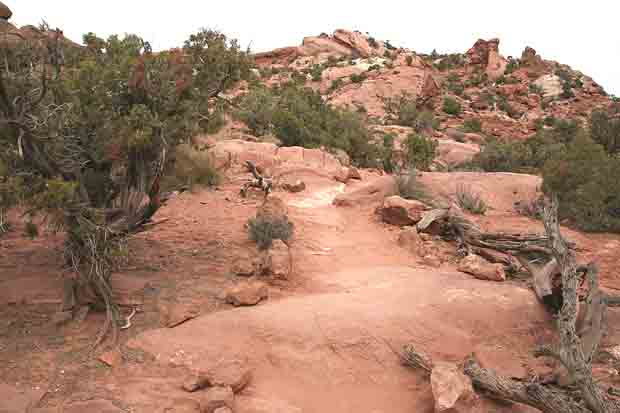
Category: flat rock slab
[335,351]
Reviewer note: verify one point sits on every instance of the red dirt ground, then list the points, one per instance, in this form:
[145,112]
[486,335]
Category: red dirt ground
[323,341]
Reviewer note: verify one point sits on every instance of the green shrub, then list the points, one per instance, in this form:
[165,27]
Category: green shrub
[192,168]
[567,91]
[605,131]
[472,125]
[469,200]
[585,178]
[505,106]
[401,110]
[265,229]
[256,111]
[549,120]
[299,116]
[426,121]
[451,106]
[421,151]
[372,42]
[457,88]
[535,89]
[513,64]
[409,60]
[355,78]
[316,72]
[452,77]
[336,83]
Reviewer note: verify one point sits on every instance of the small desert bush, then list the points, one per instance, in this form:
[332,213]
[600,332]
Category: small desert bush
[472,125]
[192,167]
[451,106]
[530,208]
[421,151]
[355,78]
[470,201]
[263,230]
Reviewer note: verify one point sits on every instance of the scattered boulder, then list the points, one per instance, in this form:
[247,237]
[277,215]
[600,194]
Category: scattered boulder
[112,358]
[5,12]
[449,386]
[196,381]
[247,293]
[234,374]
[174,313]
[401,212]
[231,373]
[298,186]
[373,191]
[481,268]
[216,398]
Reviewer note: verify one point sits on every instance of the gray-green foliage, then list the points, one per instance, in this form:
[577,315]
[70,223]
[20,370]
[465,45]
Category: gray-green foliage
[421,151]
[265,229]
[299,116]
[470,200]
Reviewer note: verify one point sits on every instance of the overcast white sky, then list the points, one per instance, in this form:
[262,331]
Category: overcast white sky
[583,34]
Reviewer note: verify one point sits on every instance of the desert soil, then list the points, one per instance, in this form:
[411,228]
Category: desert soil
[327,338]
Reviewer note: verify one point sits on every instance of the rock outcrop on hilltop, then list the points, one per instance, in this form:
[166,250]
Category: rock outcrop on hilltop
[5,12]
[510,97]
[341,43]
[486,54]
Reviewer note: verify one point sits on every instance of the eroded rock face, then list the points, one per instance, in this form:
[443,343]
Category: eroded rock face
[449,386]
[486,53]
[551,85]
[481,268]
[355,41]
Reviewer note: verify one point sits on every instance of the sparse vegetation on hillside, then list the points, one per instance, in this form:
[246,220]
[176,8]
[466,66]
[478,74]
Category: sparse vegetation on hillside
[451,106]
[576,167]
[298,116]
[472,125]
[421,151]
